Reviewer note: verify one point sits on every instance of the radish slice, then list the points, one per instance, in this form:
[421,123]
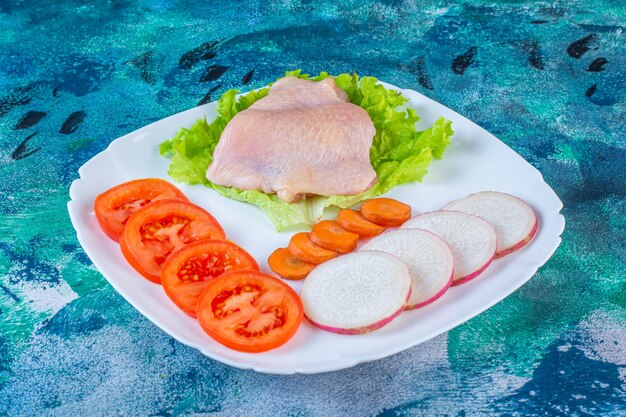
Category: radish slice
[356,293]
[428,257]
[515,222]
[472,240]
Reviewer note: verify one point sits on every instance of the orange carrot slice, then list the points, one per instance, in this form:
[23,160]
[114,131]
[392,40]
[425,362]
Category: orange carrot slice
[353,221]
[283,263]
[386,212]
[330,235]
[301,247]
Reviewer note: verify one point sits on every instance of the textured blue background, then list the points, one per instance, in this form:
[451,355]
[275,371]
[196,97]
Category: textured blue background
[548,78]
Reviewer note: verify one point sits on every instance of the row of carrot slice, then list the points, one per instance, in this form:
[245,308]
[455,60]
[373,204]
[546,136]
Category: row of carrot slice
[329,238]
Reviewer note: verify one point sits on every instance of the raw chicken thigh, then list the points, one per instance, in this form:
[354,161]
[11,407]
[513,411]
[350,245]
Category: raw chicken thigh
[303,138]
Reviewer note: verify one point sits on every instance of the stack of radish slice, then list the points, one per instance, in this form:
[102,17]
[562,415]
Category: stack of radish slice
[472,240]
[363,291]
[428,258]
[514,220]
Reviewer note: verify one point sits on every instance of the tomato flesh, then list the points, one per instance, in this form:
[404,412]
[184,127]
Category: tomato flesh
[114,207]
[157,230]
[249,311]
[188,271]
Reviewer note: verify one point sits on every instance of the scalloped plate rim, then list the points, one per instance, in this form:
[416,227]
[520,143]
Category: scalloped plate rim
[552,214]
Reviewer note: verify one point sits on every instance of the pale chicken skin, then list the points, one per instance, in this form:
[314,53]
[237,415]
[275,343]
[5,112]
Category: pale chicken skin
[303,138]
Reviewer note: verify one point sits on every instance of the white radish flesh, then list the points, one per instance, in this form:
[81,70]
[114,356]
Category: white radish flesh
[428,257]
[514,220]
[471,239]
[356,293]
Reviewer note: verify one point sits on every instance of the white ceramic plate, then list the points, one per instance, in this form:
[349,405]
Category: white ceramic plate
[476,161]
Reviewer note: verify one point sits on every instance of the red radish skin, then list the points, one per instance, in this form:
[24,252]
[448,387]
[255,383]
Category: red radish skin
[362,330]
[472,275]
[514,220]
[336,305]
[435,297]
[520,244]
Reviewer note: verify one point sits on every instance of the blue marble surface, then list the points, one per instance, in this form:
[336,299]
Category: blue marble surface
[547,78]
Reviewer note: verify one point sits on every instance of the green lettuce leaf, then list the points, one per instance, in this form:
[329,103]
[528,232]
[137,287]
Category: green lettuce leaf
[399,153]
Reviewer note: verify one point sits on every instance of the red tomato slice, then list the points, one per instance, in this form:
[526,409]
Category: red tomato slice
[187,272]
[157,230]
[114,206]
[249,311]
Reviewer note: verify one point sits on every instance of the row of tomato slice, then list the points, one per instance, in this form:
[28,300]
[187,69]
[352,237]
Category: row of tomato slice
[173,242]
[330,238]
